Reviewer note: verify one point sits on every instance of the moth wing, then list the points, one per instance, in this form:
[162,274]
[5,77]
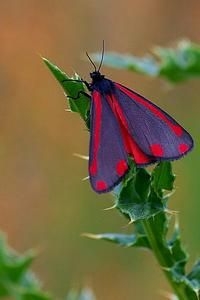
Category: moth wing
[108,159]
[156,133]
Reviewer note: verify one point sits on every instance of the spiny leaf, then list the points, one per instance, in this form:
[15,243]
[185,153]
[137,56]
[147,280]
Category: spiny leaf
[187,290]
[144,65]
[180,63]
[126,240]
[179,255]
[135,199]
[194,277]
[16,280]
[72,89]
[174,64]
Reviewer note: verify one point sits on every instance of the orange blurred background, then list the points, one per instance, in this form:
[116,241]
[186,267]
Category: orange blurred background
[43,202]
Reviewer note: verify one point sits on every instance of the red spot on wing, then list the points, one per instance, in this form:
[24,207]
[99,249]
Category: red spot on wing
[101,185]
[157,150]
[121,167]
[150,106]
[178,130]
[93,168]
[131,146]
[183,148]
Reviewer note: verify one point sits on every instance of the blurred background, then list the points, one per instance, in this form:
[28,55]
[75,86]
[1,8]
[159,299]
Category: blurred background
[44,203]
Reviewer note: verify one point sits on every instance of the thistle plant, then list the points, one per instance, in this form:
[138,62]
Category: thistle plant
[143,195]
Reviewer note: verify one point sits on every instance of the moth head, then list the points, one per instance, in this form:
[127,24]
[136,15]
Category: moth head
[96,75]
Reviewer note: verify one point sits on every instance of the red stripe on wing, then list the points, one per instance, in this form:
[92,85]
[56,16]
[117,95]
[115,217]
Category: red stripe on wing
[97,129]
[132,147]
[178,130]
[108,159]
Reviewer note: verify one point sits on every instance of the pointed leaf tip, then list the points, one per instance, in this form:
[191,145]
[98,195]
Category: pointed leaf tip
[125,240]
[71,89]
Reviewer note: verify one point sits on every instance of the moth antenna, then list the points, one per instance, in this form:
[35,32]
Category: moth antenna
[102,56]
[95,68]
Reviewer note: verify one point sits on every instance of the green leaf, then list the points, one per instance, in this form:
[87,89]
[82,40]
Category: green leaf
[144,65]
[16,280]
[12,266]
[33,295]
[16,266]
[126,240]
[194,277]
[71,89]
[161,223]
[180,63]
[179,255]
[136,200]
[163,177]
[187,291]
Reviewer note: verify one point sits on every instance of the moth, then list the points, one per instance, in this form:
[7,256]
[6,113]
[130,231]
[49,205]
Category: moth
[123,123]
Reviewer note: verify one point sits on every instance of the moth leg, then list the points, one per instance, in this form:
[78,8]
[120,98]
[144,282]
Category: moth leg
[79,95]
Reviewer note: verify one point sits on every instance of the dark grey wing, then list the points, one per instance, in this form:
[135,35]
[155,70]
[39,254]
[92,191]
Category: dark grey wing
[108,159]
[155,132]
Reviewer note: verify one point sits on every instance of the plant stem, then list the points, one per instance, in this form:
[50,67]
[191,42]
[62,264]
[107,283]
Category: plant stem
[163,256]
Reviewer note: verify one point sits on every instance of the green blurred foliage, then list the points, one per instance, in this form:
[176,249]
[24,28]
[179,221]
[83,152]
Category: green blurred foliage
[174,64]
[17,281]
